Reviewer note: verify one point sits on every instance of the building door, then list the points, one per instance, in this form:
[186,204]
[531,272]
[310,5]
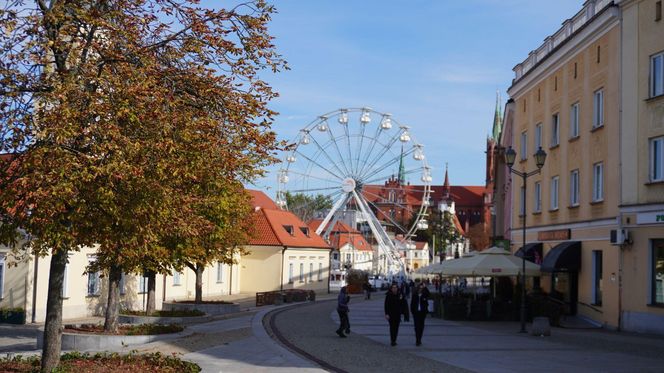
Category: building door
[564,287]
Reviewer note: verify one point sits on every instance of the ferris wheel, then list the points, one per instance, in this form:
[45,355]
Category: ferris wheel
[365,162]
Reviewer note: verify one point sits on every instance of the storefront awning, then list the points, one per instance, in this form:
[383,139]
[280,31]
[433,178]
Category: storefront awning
[564,257]
[533,252]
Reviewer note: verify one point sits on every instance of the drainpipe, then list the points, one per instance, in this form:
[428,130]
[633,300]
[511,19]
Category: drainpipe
[163,293]
[620,168]
[230,281]
[281,281]
[34,290]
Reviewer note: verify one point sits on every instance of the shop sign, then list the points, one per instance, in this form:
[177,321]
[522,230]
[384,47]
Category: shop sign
[650,218]
[554,235]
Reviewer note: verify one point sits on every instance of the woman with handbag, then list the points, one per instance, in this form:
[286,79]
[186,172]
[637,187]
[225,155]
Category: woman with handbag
[395,306]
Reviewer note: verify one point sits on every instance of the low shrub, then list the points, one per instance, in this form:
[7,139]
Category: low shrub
[141,329]
[12,315]
[74,362]
[163,313]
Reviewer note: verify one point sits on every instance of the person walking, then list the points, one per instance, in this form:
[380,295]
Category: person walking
[395,306]
[342,310]
[367,290]
[419,307]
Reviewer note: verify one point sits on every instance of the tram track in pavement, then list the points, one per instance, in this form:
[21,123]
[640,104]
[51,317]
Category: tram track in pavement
[308,330]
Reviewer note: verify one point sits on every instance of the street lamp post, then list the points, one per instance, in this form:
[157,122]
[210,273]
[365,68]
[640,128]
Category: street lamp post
[540,157]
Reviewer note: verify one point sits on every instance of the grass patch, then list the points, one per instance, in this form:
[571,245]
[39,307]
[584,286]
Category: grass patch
[76,362]
[204,302]
[174,313]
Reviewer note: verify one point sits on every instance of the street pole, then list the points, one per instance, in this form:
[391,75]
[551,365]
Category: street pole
[540,157]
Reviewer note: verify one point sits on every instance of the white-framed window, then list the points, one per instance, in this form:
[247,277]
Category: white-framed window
[657,272]
[574,188]
[598,108]
[657,75]
[598,182]
[538,136]
[290,273]
[522,206]
[320,271]
[311,272]
[65,283]
[554,193]
[301,272]
[538,197]
[574,120]
[555,129]
[597,278]
[657,159]
[122,284]
[524,145]
[93,278]
[348,258]
[220,272]
[2,275]
[177,280]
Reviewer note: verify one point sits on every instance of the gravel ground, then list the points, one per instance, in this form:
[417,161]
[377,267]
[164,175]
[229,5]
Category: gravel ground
[310,328]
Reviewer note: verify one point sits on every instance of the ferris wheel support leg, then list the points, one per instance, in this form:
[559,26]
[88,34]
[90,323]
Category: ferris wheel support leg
[341,201]
[383,241]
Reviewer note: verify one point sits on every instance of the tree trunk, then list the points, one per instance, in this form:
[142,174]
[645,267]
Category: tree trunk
[151,305]
[199,283]
[53,326]
[112,305]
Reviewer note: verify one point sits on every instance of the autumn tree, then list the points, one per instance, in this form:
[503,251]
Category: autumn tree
[479,237]
[116,112]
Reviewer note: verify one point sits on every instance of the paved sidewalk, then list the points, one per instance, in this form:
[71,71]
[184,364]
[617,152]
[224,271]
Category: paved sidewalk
[498,347]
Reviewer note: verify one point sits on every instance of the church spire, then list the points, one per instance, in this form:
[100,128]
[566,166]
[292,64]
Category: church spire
[446,185]
[497,119]
[402,170]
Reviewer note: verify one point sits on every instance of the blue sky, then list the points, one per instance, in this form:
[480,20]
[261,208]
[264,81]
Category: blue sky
[435,65]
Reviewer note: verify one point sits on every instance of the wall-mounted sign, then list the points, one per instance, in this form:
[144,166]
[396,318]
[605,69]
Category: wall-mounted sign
[554,235]
[650,218]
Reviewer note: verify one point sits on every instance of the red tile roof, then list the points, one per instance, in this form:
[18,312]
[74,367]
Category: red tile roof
[272,223]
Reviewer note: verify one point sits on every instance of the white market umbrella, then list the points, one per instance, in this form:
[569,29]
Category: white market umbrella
[490,262]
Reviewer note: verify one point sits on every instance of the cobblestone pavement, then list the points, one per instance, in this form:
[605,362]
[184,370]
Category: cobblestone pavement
[462,346]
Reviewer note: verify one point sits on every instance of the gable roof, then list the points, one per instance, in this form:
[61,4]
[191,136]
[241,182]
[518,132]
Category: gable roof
[275,227]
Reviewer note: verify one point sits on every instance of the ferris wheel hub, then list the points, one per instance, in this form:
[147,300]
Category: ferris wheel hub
[348,184]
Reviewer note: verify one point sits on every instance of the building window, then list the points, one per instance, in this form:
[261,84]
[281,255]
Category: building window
[554,193]
[657,159]
[598,182]
[177,280]
[121,285]
[320,271]
[301,272]
[538,136]
[657,75]
[290,273]
[598,108]
[524,145]
[93,279]
[657,272]
[65,283]
[538,197]
[597,277]
[658,11]
[220,272]
[311,272]
[574,121]
[2,275]
[574,188]
[555,130]
[522,208]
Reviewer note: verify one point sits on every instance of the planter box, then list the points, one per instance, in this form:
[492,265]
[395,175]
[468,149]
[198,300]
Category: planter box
[100,342]
[136,319]
[12,317]
[208,308]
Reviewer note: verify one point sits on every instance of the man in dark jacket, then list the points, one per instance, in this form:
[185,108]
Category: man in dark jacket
[395,306]
[419,307]
[342,310]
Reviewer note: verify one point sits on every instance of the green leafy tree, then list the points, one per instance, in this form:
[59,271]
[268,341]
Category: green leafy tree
[307,207]
[119,115]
